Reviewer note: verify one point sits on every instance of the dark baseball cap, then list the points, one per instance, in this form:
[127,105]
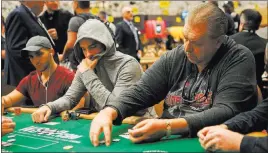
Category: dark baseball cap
[35,44]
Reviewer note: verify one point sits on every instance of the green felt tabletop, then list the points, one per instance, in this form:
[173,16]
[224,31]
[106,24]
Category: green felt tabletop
[76,134]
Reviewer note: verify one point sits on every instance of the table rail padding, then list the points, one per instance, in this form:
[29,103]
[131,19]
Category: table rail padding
[128,120]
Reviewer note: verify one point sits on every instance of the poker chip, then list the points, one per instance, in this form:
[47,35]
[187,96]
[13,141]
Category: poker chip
[116,140]
[11,140]
[11,136]
[3,143]
[102,142]
[7,144]
[67,147]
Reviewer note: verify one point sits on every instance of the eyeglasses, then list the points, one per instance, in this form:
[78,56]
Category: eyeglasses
[187,99]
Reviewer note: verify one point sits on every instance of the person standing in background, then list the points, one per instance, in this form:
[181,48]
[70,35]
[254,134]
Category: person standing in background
[56,21]
[127,36]
[103,16]
[249,22]
[22,24]
[229,10]
[81,12]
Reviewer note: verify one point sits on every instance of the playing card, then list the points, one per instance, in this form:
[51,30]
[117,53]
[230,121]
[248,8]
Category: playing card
[52,123]
[125,135]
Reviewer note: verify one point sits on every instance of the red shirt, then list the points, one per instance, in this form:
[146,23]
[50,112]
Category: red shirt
[58,84]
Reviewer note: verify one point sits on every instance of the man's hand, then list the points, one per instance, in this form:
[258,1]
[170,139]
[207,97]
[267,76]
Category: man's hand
[218,138]
[41,115]
[102,123]
[148,130]
[7,125]
[53,33]
[202,133]
[60,57]
[87,64]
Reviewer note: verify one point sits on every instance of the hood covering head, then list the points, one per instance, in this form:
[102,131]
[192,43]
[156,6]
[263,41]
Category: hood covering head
[96,30]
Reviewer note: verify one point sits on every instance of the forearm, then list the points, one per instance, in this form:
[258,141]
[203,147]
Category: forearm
[213,116]
[95,87]
[7,101]
[178,126]
[67,49]
[245,126]
[81,104]
[254,120]
[60,105]
[72,36]
[254,144]
[71,97]
[12,98]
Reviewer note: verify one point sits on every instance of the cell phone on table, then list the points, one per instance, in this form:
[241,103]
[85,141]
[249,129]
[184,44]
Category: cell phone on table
[85,111]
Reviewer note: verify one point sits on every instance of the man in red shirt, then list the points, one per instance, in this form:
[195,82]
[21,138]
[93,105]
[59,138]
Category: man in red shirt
[48,83]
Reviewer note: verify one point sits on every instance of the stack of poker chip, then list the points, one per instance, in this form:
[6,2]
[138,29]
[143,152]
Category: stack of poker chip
[11,139]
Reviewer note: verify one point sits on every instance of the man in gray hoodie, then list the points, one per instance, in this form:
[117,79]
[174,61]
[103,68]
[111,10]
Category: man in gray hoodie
[103,71]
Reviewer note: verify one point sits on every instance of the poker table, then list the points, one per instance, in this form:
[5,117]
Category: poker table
[30,137]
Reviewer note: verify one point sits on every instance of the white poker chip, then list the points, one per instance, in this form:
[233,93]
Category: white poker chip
[116,140]
[7,144]
[3,143]
[11,140]
[11,136]
[67,147]
[102,142]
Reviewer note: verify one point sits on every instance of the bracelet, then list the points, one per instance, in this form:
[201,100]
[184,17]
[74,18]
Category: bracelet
[168,125]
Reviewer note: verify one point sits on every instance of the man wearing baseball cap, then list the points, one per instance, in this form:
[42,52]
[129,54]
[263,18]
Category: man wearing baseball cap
[49,82]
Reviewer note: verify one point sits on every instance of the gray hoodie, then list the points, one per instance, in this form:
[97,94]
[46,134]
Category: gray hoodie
[114,72]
